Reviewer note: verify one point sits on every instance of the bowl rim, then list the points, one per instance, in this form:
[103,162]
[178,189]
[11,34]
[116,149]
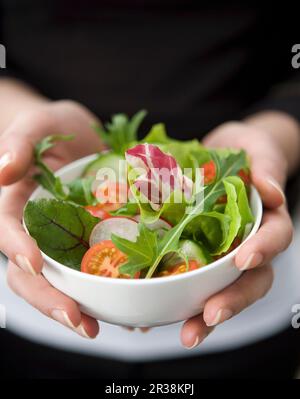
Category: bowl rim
[158,280]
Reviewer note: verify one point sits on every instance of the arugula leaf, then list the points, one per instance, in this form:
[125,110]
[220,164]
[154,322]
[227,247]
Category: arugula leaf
[141,253]
[121,132]
[79,190]
[46,177]
[47,143]
[62,230]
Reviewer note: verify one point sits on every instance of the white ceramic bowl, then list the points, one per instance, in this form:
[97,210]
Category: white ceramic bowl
[142,303]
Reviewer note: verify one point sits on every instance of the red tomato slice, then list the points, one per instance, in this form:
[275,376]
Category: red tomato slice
[179,268]
[209,172]
[104,259]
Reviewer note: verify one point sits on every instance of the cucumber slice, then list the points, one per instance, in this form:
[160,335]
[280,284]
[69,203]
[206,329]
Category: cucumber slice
[195,251]
[192,250]
[106,160]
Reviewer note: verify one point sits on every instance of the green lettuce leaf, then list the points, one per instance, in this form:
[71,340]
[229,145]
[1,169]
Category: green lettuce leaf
[188,154]
[247,218]
[232,210]
[80,191]
[157,135]
[211,228]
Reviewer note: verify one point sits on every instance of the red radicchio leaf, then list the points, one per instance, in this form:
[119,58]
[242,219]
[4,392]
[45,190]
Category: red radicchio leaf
[158,174]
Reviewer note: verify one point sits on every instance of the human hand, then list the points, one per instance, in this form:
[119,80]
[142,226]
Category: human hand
[16,169]
[269,168]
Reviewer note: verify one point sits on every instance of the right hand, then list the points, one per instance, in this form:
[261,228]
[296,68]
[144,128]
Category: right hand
[16,170]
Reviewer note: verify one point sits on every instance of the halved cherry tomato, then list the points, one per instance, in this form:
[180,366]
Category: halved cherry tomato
[101,211]
[104,259]
[112,193]
[209,172]
[179,268]
[245,176]
[98,211]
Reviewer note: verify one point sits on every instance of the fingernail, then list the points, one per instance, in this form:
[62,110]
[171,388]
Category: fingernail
[25,264]
[196,342]
[62,317]
[277,187]
[221,316]
[5,160]
[82,332]
[253,260]
[199,339]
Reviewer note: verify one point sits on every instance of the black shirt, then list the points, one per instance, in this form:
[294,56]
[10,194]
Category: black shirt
[191,64]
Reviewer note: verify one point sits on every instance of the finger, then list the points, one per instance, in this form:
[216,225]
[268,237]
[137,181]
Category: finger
[18,246]
[274,236]
[250,287]
[194,331]
[268,177]
[51,302]
[17,145]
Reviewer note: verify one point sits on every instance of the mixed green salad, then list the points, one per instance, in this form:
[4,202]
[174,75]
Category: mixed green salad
[144,208]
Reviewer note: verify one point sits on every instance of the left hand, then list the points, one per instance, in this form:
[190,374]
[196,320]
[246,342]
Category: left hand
[269,173]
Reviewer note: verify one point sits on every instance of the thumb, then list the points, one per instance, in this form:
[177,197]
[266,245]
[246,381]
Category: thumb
[17,147]
[268,176]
